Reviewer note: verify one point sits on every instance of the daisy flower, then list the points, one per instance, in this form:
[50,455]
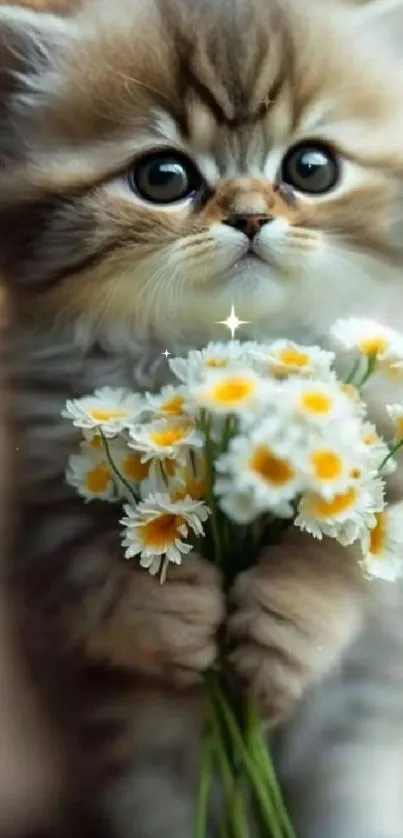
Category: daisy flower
[236,390]
[190,478]
[170,401]
[91,478]
[157,530]
[199,362]
[331,464]
[350,392]
[165,439]
[346,516]
[241,506]
[108,409]
[369,338]
[382,546]
[376,450]
[395,413]
[263,465]
[283,358]
[315,402]
[127,462]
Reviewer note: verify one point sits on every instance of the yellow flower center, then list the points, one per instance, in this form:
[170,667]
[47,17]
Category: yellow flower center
[161,531]
[327,465]
[107,415]
[313,401]
[216,363]
[399,427]
[194,487]
[392,370]
[370,439]
[378,534]
[133,468]
[97,480]
[233,391]
[332,509]
[169,436]
[373,346]
[350,391]
[173,406]
[272,469]
[291,357]
[96,442]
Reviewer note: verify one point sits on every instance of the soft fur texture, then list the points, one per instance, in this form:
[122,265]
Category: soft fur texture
[100,282]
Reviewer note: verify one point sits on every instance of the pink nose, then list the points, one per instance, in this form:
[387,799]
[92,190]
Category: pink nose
[248,223]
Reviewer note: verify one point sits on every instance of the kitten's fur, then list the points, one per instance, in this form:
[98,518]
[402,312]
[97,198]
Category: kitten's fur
[100,284]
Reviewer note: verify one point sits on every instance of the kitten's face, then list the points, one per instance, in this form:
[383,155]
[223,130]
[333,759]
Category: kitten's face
[181,157]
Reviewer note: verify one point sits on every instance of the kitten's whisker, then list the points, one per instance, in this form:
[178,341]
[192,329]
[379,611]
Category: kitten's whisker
[300,232]
[132,80]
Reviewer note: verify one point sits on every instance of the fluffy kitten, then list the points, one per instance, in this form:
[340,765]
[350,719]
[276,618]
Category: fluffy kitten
[162,160]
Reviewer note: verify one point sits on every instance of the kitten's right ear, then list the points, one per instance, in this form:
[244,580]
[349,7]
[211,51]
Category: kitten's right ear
[31,44]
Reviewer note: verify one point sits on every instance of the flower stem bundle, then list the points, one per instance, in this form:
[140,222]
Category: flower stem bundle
[253,438]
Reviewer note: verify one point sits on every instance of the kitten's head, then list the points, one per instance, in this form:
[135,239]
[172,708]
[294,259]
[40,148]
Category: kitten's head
[164,160]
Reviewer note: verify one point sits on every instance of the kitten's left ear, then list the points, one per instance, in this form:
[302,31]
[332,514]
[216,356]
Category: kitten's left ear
[31,44]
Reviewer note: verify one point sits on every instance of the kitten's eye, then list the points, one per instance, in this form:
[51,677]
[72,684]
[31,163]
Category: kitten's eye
[310,168]
[165,178]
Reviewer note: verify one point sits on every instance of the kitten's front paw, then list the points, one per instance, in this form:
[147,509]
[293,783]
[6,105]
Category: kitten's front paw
[288,625]
[167,630]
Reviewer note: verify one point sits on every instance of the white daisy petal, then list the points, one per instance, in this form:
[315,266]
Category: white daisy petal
[110,410]
[169,402]
[200,362]
[316,403]
[376,450]
[156,527]
[283,358]
[91,478]
[236,391]
[382,546]
[369,338]
[263,466]
[332,463]
[165,438]
[395,413]
[346,516]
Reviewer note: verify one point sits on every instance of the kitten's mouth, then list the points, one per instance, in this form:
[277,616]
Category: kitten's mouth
[249,260]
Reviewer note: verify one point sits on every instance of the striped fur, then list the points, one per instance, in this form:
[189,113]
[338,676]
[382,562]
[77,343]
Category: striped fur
[100,282]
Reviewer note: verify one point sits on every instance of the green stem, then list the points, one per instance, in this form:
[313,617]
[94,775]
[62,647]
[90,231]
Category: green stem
[200,827]
[257,782]
[259,749]
[353,372]
[115,470]
[371,364]
[235,821]
[391,454]
[211,500]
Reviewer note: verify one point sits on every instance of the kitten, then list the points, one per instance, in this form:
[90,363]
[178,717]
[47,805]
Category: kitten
[29,771]
[162,160]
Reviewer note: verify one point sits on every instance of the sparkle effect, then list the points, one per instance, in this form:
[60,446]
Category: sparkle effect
[166,354]
[232,322]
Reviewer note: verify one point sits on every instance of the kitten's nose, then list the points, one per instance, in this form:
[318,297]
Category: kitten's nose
[248,223]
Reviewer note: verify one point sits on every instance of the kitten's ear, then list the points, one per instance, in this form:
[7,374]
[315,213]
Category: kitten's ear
[30,43]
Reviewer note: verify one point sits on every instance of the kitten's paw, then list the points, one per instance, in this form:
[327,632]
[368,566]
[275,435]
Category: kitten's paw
[169,630]
[288,625]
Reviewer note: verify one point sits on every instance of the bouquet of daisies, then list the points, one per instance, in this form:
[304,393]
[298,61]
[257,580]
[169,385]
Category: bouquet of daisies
[251,439]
